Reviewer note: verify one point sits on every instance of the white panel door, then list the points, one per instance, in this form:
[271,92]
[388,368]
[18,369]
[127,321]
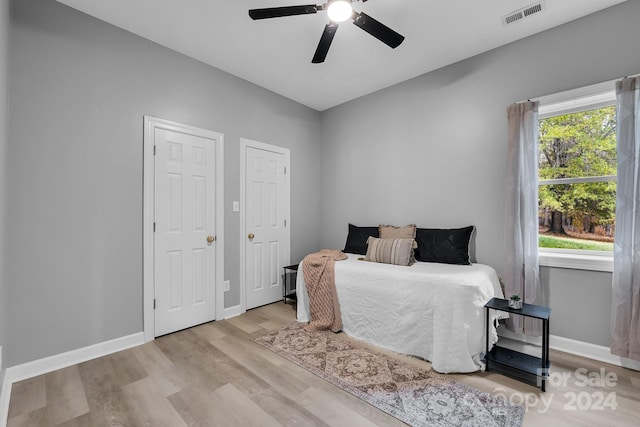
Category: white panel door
[267,244]
[185,224]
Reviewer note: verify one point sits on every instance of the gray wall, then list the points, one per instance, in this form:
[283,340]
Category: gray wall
[79,90]
[432,150]
[580,304]
[4,44]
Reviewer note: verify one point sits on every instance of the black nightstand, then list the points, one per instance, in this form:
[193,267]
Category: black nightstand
[526,368]
[289,286]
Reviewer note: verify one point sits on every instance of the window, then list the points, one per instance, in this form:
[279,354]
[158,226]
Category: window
[577,168]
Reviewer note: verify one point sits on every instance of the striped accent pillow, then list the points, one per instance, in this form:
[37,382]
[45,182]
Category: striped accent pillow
[390,251]
[393,232]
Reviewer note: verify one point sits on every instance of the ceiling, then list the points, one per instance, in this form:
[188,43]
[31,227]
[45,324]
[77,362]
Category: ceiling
[276,53]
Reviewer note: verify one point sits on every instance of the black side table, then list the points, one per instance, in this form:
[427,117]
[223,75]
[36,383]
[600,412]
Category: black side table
[523,367]
[289,286]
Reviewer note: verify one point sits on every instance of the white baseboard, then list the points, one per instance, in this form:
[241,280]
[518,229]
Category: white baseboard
[62,360]
[5,396]
[234,311]
[59,361]
[592,351]
[527,344]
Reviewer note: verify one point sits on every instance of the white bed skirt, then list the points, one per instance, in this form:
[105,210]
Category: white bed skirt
[433,311]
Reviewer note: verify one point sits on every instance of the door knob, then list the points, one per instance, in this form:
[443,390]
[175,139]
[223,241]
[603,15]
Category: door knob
[251,235]
[211,239]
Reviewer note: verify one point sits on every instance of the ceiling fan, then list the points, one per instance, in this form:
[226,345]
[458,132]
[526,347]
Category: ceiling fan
[338,11]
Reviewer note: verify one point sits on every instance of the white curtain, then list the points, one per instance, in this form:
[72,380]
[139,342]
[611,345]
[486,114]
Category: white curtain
[625,315]
[521,273]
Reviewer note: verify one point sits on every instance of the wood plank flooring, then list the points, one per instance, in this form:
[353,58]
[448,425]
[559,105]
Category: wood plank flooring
[214,375]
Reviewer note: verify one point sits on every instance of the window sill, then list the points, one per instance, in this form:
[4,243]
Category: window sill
[576,260]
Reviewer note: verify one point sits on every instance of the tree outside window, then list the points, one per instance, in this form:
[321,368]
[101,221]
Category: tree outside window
[577,177]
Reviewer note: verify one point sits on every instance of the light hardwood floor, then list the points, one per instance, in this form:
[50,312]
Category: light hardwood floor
[214,375]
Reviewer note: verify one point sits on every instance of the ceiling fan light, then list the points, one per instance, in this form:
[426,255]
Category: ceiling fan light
[339,10]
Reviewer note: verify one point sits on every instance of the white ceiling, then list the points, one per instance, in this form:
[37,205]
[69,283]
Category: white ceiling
[276,53]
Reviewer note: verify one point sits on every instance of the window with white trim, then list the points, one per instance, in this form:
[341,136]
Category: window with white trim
[577,168]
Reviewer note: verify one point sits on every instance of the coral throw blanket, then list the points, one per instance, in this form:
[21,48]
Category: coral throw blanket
[319,276]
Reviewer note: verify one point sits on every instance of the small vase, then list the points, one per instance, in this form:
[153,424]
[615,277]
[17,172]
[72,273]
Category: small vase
[516,305]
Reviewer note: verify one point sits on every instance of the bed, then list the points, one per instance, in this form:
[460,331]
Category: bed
[431,310]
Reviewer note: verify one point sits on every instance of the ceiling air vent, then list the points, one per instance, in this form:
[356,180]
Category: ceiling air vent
[522,13]
[532,9]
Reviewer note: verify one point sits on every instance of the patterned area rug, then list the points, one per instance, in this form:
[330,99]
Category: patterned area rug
[413,395]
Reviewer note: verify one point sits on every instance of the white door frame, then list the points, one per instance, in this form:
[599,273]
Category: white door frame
[148,195]
[244,144]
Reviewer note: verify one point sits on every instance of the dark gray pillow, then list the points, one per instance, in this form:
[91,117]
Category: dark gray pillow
[444,245]
[357,239]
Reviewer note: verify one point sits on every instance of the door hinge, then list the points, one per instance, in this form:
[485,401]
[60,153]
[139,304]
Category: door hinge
[285,222]
[154,303]
[154,227]
[285,170]
[154,150]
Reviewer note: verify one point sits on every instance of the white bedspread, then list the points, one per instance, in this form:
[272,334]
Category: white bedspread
[434,311]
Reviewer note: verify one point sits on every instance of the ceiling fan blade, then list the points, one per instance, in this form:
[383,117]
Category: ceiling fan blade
[325,43]
[378,30]
[277,12]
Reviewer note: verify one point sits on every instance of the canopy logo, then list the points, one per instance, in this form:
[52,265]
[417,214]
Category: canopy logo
[596,398]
